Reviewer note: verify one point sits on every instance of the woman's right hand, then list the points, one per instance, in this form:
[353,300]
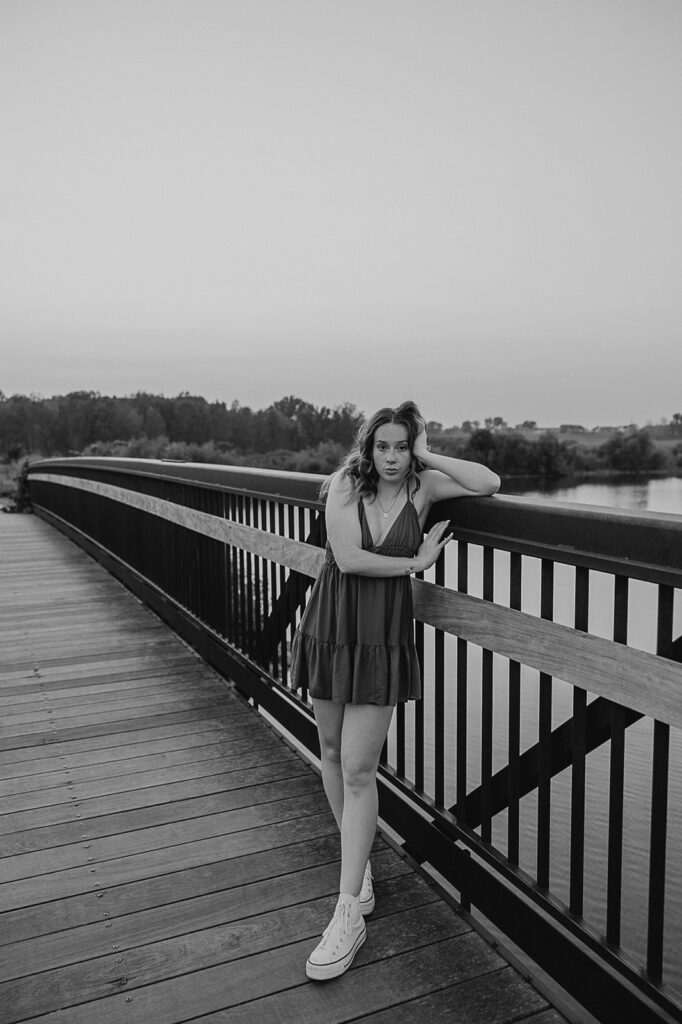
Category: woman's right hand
[432,545]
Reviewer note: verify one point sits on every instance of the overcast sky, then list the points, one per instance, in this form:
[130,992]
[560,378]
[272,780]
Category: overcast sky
[474,203]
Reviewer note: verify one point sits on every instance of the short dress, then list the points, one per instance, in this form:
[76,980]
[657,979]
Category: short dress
[355,641]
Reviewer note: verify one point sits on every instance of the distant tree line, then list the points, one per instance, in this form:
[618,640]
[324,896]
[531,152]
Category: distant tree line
[294,434]
[665,430]
[153,426]
[510,453]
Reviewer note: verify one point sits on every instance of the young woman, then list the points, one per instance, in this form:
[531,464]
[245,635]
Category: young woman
[354,648]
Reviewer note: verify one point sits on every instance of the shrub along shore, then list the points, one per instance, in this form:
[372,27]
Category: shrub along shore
[292,434]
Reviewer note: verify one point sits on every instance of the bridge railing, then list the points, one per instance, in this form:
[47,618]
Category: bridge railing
[541,775]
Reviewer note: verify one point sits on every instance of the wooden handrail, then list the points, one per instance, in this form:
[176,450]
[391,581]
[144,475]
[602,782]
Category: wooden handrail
[643,545]
[638,680]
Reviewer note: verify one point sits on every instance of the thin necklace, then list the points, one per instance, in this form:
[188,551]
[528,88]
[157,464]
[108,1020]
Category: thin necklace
[387,511]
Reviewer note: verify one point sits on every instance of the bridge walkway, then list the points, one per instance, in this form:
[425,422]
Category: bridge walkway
[165,856]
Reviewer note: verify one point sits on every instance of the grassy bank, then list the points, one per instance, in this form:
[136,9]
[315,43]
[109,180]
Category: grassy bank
[9,479]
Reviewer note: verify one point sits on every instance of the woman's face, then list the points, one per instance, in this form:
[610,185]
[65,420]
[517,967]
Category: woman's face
[391,452]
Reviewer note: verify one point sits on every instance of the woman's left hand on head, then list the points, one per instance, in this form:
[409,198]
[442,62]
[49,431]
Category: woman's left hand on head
[420,446]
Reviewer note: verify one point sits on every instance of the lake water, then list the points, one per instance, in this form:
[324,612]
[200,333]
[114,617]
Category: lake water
[655,495]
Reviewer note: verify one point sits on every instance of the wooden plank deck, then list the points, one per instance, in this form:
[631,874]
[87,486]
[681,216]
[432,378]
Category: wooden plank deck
[165,856]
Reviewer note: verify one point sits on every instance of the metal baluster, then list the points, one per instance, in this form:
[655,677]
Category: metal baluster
[256,599]
[400,740]
[659,803]
[305,521]
[579,748]
[462,688]
[439,697]
[614,883]
[231,575]
[487,709]
[224,574]
[247,585]
[209,571]
[291,588]
[203,561]
[264,590]
[274,646]
[514,728]
[419,706]
[545,738]
[284,657]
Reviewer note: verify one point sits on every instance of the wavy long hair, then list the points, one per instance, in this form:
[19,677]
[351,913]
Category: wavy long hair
[358,464]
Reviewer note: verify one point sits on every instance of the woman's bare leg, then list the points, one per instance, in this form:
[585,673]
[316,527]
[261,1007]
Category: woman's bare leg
[329,719]
[363,733]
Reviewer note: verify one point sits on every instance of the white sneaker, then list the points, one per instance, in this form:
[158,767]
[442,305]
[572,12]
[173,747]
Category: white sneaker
[340,942]
[367,893]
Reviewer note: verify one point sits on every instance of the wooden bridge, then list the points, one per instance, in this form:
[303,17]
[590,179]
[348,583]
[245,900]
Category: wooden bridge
[530,800]
[166,856]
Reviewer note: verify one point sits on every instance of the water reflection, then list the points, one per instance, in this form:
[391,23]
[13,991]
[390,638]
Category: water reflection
[661,495]
[658,494]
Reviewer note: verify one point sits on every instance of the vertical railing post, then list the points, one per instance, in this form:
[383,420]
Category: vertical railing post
[514,726]
[545,738]
[659,804]
[616,779]
[579,756]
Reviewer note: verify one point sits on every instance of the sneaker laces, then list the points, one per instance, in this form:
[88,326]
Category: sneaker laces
[341,921]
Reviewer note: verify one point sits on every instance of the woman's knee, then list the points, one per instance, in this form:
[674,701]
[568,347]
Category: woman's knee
[358,772]
[329,718]
[330,750]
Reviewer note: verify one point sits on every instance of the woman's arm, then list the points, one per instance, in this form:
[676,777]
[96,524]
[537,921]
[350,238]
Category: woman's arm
[445,477]
[345,537]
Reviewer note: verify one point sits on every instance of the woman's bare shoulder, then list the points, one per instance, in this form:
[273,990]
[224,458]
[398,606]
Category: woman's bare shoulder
[341,485]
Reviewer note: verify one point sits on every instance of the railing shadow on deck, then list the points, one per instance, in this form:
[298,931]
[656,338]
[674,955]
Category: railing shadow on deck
[541,773]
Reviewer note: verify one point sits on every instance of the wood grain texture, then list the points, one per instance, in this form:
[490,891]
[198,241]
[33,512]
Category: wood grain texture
[304,558]
[163,853]
[636,679]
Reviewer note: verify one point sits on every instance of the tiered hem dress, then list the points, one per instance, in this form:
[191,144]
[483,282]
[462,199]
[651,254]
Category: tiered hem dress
[355,642]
